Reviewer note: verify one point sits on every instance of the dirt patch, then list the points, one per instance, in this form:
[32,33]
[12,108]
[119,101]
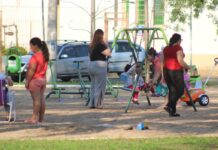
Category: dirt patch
[71,119]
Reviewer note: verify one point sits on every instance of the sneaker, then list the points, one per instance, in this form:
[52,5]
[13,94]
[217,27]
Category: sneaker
[135,101]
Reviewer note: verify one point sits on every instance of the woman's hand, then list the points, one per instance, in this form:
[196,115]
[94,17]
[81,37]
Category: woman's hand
[27,85]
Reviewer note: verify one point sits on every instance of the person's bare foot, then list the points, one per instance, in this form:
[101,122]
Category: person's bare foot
[31,121]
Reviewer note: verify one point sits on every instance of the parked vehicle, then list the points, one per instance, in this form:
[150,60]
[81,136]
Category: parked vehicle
[121,55]
[67,56]
[71,52]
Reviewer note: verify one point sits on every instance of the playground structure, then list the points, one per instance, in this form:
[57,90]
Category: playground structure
[152,34]
[132,36]
[84,89]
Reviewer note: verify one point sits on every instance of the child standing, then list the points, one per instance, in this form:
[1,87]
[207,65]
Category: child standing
[9,82]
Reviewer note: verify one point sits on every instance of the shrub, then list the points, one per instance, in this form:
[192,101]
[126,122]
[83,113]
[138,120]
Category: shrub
[21,49]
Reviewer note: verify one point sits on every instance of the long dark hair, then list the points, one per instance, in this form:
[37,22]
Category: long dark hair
[41,45]
[97,38]
[175,38]
[152,52]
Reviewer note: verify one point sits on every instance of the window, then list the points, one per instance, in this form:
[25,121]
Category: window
[69,51]
[82,51]
[125,47]
[58,49]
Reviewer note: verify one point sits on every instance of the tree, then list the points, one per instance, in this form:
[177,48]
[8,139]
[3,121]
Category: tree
[180,10]
[21,49]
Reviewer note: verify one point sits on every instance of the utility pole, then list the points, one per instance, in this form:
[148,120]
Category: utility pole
[190,27]
[52,35]
[92,18]
[115,16]
[146,22]
[136,12]
[125,13]
[105,26]
[43,21]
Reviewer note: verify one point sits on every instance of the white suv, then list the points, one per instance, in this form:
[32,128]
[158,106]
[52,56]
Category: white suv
[67,56]
[121,55]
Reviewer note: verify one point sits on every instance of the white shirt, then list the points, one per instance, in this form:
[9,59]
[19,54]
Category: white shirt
[126,77]
[2,76]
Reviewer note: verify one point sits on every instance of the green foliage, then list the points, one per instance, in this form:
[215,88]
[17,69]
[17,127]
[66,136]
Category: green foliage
[22,50]
[3,50]
[181,10]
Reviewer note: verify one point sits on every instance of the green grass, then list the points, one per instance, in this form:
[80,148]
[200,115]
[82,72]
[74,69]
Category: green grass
[181,143]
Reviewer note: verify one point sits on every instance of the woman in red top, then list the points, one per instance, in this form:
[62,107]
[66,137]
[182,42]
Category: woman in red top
[36,78]
[174,65]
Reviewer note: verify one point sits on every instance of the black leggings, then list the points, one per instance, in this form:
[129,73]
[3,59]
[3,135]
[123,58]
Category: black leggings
[175,83]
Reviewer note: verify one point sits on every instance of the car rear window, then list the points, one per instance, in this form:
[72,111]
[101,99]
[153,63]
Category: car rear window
[76,51]
[125,47]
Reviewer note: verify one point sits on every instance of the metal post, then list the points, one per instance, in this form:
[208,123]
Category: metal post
[52,34]
[105,26]
[115,16]
[1,41]
[190,36]
[92,18]
[16,34]
[43,21]
[127,13]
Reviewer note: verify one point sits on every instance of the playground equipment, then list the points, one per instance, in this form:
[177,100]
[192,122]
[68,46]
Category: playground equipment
[84,89]
[13,64]
[131,35]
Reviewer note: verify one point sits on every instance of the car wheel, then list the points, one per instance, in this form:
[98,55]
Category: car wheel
[65,79]
[204,100]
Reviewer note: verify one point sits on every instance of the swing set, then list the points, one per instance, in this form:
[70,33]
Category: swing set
[131,35]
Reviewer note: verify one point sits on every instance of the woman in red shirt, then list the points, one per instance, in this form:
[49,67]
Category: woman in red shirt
[36,78]
[174,65]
